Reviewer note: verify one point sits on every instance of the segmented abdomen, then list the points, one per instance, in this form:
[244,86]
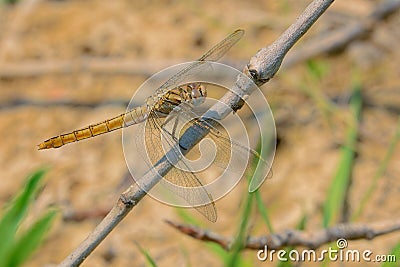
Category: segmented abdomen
[129,118]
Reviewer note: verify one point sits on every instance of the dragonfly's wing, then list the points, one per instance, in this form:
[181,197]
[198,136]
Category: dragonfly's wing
[219,50]
[187,185]
[214,54]
[225,146]
[258,167]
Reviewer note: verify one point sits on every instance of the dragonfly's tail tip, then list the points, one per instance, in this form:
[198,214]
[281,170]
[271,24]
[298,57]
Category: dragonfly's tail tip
[42,146]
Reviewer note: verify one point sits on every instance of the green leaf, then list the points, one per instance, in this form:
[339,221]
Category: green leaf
[16,212]
[30,240]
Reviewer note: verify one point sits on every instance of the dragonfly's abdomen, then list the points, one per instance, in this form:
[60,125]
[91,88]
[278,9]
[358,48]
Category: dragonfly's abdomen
[129,118]
[162,105]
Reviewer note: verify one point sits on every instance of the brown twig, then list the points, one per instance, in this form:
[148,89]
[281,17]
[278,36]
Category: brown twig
[313,239]
[92,65]
[23,102]
[335,41]
[105,66]
[261,68]
[117,213]
[78,216]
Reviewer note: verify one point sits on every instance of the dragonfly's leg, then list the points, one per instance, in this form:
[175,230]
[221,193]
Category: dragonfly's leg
[172,134]
[175,128]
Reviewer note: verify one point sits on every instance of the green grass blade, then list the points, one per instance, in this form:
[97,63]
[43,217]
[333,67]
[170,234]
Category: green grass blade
[311,86]
[302,223]
[219,251]
[263,211]
[339,187]
[267,145]
[187,217]
[234,258]
[150,261]
[30,240]
[16,212]
[238,244]
[317,69]
[395,252]
[379,172]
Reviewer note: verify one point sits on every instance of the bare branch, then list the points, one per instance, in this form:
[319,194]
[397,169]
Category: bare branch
[335,41]
[262,67]
[107,66]
[267,61]
[342,37]
[312,239]
[117,213]
[18,102]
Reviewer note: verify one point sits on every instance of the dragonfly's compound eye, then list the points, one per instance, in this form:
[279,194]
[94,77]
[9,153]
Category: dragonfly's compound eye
[198,93]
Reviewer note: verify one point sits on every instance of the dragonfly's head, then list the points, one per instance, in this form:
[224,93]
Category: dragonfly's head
[197,93]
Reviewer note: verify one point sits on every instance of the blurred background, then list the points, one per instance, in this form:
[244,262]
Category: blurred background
[66,64]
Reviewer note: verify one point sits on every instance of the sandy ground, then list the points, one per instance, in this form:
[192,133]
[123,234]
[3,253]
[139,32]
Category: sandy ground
[86,176]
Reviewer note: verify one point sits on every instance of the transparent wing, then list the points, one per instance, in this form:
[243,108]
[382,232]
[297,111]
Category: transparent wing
[214,54]
[224,144]
[217,51]
[187,185]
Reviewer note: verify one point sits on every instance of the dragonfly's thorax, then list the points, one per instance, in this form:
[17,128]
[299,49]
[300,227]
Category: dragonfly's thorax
[194,93]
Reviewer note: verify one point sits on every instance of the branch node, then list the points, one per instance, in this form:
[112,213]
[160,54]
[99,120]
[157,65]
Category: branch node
[127,201]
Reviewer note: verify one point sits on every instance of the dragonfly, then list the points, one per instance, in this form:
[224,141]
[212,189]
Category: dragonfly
[154,111]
